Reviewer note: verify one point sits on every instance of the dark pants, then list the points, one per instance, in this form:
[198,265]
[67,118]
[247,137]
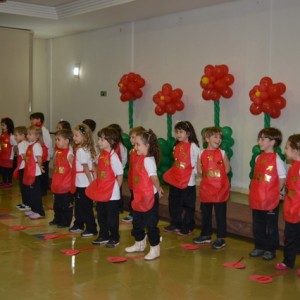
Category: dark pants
[108,219]
[148,220]
[291,243]
[6,174]
[22,187]
[265,229]
[33,196]
[121,202]
[63,209]
[84,213]
[130,202]
[45,178]
[220,213]
[182,207]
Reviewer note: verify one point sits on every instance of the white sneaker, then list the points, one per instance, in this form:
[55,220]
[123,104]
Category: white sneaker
[36,216]
[153,253]
[24,207]
[28,213]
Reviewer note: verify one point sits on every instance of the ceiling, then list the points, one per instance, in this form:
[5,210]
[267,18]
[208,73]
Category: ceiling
[55,18]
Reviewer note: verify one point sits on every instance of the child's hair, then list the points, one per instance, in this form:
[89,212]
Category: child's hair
[295,141]
[90,123]
[111,135]
[210,131]
[136,130]
[88,141]
[65,125]
[118,128]
[187,127]
[66,134]
[9,124]
[38,115]
[37,131]
[272,134]
[21,130]
[149,137]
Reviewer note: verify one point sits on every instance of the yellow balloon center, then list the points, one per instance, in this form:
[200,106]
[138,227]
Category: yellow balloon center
[162,98]
[257,93]
[205,80]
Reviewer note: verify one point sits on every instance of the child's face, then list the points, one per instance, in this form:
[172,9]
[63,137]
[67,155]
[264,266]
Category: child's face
[104,144]
[290,153]
[61,142]
[181,135]
[3,128]
[140,147]
[59,126]
[35,121]
[19,137]
[31,136]
[214,141]
[132,138]
[78,137]
[266,144]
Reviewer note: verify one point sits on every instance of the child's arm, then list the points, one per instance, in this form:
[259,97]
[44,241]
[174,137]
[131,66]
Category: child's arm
[199,166]
[282,182]
[40,163]
[226,163]
[119,180]
[71,159]
[156,183]
[87,172]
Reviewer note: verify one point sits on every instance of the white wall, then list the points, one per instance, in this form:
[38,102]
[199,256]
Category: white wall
[254,38]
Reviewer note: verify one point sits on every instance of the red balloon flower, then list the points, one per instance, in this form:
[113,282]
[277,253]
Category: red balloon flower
[168,100]
[215,82]
[130,86]
[267,98]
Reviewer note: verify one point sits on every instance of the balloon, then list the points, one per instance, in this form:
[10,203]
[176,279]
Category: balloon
[167,99]
[279,102]
[138,94]
[230,141]
[208,70]
[227,92]
[220,85]
[224,68]
[166,89]
[156,99]
[140,82]
[131,76]
[132,86]
[164,147]
[159,110]
[264,95]
[229,79]
[273,91]
[126,96]
[262,88]
[176,94]
[225,145]
[229,153]
[215,95]
[170,109]
[256,150]
[161,103]
[163,169]
[218,71]
[275,114]
[282,88]
[123,88]
[255,109]
[266,81]
[204,81]
[226,131]
[267,107]
[257,100]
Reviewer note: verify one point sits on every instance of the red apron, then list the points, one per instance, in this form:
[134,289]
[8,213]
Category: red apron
[16,170]
[5,151]
[132,157]
[30,166]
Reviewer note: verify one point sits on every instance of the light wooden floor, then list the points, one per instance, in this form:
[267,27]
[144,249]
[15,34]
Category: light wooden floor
[33,268]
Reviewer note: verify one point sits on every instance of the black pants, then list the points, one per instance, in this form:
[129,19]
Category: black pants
[33,196]
[121,202]
[265,229]
[148,220]
[108,219]
[6,174]
[63,209]
[84,213]
[220,213]
[291,243]
[45,178]
[182,207]
[22,187]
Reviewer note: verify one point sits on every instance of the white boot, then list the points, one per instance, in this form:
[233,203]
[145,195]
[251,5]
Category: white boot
[138,246]
[154,253]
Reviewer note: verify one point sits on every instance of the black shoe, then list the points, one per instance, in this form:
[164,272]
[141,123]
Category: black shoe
[268,255]
[171,228]
[87,233]
[112,244]
[100,241]
[202,240]
[257,253]
[218,244]
[53,223]
[75,229]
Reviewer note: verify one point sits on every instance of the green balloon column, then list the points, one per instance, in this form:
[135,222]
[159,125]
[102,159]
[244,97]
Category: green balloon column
[267,99]
[216,82]
[167,101]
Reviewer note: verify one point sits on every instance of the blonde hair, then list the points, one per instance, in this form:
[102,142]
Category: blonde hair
[37,131]
[88,140]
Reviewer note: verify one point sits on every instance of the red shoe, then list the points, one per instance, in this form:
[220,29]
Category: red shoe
[298,272]
[281,266]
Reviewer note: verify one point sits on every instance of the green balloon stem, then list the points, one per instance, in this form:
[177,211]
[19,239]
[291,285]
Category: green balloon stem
[130,113]
[169,127]
[217,113]
[267,121]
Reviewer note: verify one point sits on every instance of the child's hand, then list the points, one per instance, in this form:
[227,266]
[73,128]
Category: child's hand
[160,192]
[42,169]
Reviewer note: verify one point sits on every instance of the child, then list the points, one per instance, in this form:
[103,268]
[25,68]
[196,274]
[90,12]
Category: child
[132,155]
[292,205]
[90,123]
[32,174]
[7,144]
[20,133]
[38,119]
[61,179]
[268,179]
[121,151]
[147,191]
[105,189]
[213,166]
[181,177]
[62,124]
[82,176]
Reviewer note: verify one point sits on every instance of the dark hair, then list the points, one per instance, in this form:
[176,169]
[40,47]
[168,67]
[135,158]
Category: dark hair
[149,138]
[111,135]
[9,124]
[272,134]
[20,130]
[118,128]
[91,123]
[188,127]
[65,125]
[136,130]
[295,141]
[38,115]
[66,134]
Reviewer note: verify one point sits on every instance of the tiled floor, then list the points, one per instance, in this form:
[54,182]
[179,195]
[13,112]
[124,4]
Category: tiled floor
[32,267]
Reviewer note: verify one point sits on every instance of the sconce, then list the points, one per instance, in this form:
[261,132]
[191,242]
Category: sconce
[76,71]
